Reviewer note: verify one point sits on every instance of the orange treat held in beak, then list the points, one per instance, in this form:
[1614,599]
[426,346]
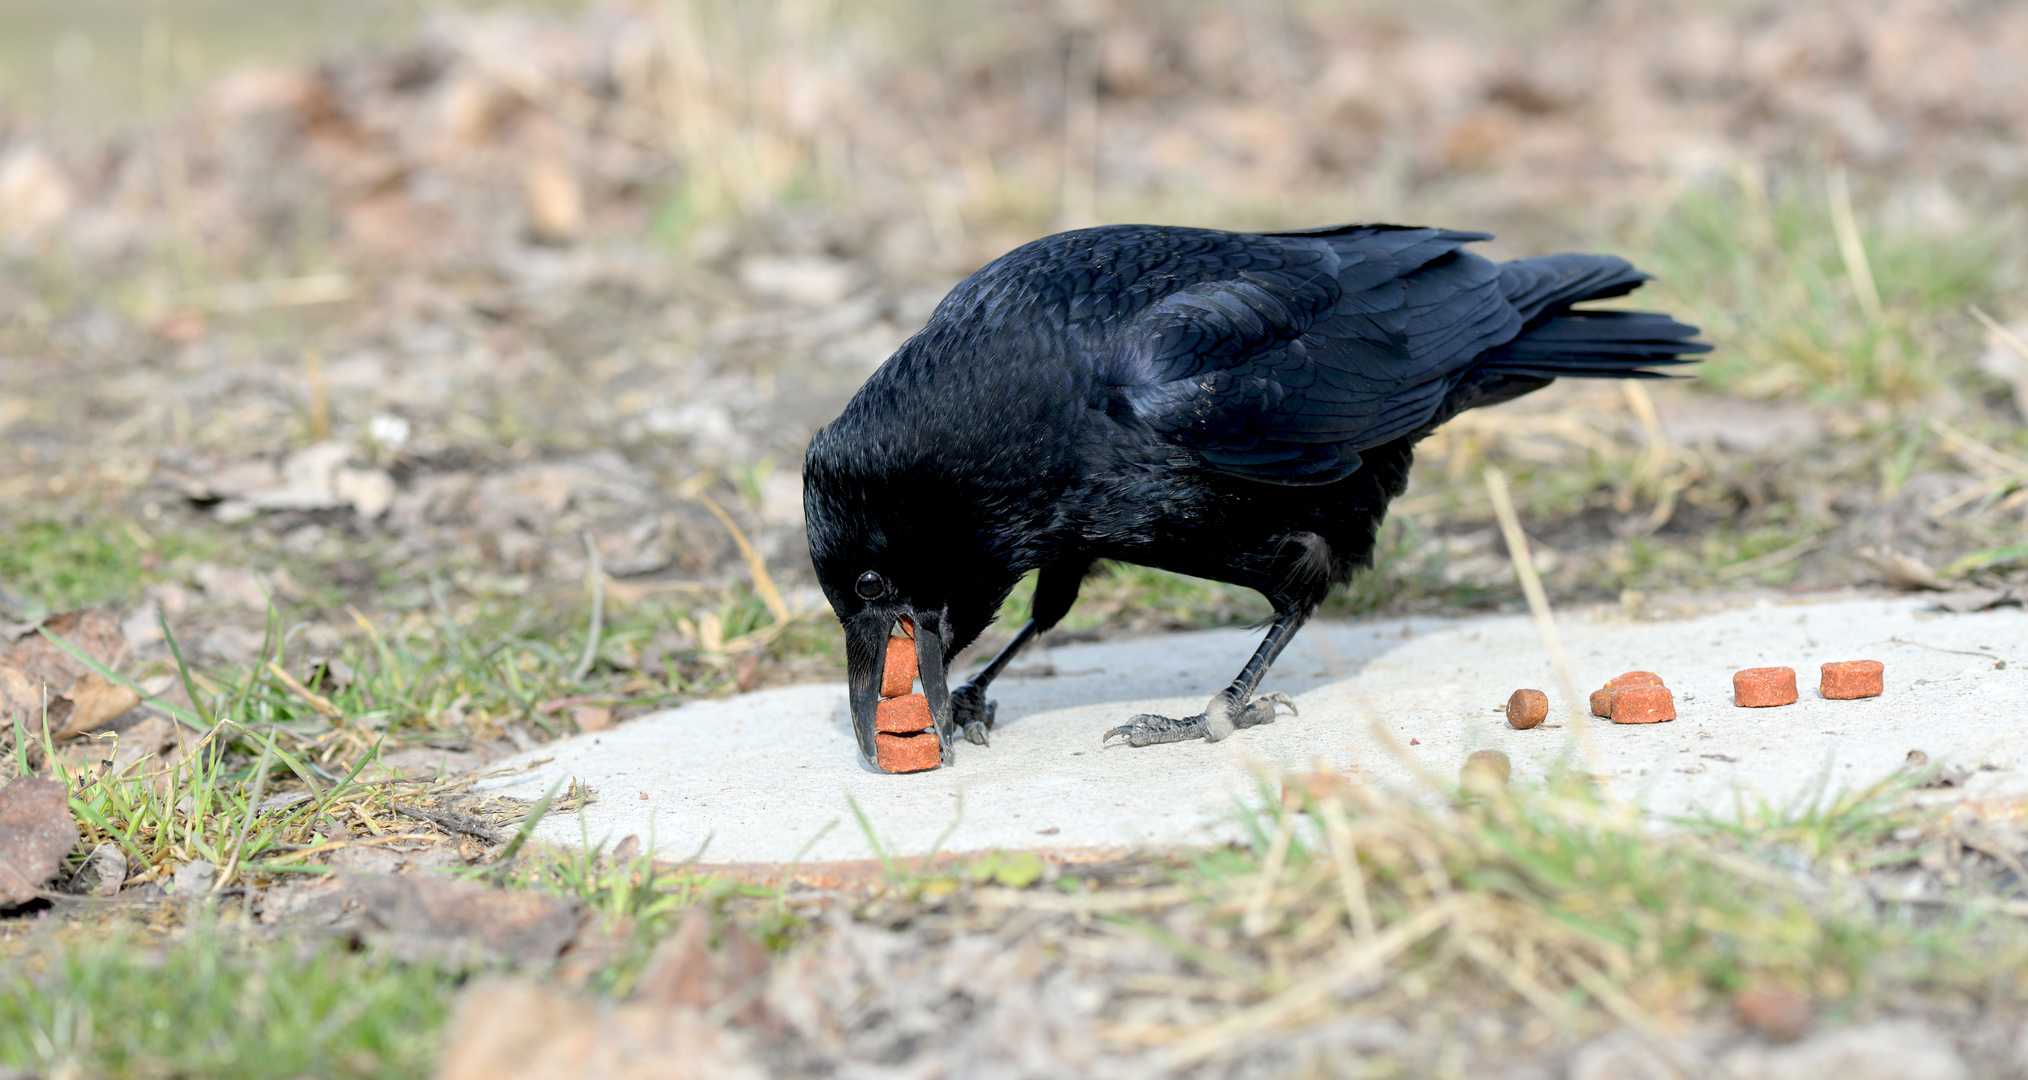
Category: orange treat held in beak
[898,676]
[907,753]
[904,715]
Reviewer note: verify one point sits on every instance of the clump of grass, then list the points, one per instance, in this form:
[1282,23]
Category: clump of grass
[1569,904]
[49,564]
[1804,299]
[215,1004]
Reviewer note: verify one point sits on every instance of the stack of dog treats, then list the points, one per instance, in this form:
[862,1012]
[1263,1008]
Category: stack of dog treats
[904,734]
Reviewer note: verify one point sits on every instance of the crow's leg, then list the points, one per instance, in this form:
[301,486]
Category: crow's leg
[1055,590]
[1230,709]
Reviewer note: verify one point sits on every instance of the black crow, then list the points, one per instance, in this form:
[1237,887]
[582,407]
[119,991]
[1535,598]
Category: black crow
[1232,406]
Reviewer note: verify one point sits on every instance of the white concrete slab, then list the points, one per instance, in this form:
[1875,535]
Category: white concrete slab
[763,776]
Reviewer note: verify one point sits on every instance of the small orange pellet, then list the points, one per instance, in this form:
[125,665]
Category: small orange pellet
[1634,678]
[907,753]
[1845,679]
[904,715]
[898,677]
[1602,702]
[1760,687]
[1301,789]
[1643,705]
[1527,708]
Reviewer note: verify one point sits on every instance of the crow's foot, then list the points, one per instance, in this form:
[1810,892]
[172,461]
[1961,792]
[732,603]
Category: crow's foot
[972,712]
[1221,717]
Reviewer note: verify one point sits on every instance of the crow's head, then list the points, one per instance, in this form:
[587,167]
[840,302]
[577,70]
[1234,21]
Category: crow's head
[895,537]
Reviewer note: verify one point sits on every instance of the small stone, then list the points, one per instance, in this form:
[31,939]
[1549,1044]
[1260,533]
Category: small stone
[1776,1012]
[1485,770]
[1762,687]
[555,198]
[1302,789]
[907,753]
[1527,708]
[194,878]
[102,873]
[1847,679]
[1643,705]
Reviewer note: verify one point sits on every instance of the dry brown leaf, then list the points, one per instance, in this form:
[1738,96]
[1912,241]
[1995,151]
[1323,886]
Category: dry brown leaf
[93,701]
[685,972]
[94,631]
[514,1029]
[457,923]
[40,679]
[20,696]
[592,717]
[36,832]
[1904,571]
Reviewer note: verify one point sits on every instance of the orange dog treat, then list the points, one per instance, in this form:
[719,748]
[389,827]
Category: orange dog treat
[1853,679]
[1527,708]
[907,753]
[1301,789]
[1634,678]
[1602,702]
[898,677]
[1643,705]
[904,715]
[1760,687]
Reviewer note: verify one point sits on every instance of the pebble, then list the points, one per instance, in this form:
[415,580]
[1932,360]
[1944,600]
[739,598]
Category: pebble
[1776,1012]
[1484,768]
[1527,708]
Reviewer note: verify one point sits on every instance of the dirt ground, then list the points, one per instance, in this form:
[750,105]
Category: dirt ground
[368,385]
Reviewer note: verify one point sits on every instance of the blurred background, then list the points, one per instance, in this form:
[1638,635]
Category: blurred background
[446,325]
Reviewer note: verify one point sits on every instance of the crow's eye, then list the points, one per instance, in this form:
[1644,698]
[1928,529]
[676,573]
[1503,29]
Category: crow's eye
[872,586]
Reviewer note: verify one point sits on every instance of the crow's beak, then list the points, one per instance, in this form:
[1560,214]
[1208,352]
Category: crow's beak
[866,636]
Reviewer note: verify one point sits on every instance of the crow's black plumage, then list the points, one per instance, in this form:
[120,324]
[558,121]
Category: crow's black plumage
[1233,406]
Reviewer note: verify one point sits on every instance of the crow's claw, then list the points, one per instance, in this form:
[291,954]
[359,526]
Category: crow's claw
[972,713]
[1220,718]
[1149,729]
[1271,699]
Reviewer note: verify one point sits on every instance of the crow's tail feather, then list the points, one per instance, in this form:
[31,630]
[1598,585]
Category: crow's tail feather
[1559,342]
[1596,345]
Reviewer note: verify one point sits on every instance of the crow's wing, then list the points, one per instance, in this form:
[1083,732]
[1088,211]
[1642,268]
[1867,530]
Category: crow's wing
[1280,357]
